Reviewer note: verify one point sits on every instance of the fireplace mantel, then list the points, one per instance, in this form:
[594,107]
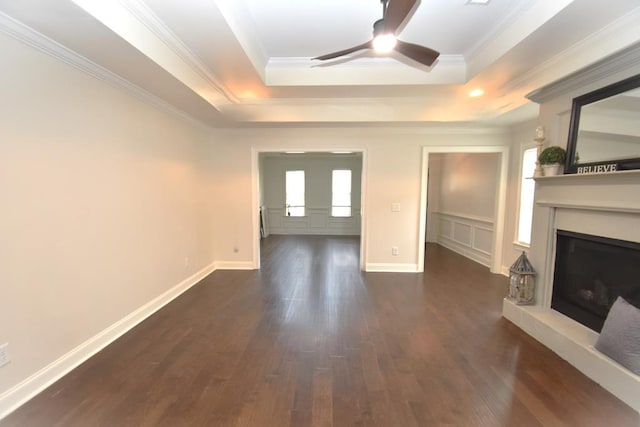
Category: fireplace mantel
[610,192]
[608,205]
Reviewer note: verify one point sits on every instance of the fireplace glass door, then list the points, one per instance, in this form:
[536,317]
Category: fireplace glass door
[590,273]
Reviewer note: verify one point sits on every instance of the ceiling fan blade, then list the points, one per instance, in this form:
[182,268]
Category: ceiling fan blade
[397,13]
[366,45]
[418,53]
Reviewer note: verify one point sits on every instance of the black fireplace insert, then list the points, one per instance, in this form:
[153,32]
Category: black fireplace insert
[590,273]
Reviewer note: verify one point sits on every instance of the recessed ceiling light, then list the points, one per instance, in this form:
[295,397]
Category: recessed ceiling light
[294,152]
[476,93]
[482,2]
[342,152]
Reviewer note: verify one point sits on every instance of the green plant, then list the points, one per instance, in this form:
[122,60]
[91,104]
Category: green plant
[551,155]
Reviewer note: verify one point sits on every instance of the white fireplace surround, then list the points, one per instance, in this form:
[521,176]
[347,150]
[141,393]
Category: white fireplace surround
[605,205]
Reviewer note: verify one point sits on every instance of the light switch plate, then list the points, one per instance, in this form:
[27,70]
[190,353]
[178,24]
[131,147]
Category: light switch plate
[395,207]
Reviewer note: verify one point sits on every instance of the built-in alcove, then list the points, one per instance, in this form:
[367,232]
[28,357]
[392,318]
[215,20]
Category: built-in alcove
[590,273]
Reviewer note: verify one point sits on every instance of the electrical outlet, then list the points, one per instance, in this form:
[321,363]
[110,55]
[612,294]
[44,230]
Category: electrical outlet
[395,207]
[395,251]
[4,354]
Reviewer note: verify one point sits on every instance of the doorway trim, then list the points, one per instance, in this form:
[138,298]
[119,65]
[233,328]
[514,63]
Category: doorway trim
[500,205]
[255,196]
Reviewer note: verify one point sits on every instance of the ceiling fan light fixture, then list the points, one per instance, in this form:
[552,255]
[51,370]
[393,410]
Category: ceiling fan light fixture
[384,36]
[384,43]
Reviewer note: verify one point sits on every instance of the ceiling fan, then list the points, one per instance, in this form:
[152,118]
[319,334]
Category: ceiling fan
[384,35]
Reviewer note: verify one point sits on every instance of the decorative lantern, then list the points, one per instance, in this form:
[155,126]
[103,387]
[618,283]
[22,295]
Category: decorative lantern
[522,281]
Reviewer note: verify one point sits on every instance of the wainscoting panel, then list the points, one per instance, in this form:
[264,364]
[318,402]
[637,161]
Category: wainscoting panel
[483,240]
[462,233]
[318,220]
[468,235]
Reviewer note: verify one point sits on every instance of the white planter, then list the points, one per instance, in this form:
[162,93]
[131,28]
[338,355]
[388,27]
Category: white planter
[552,170]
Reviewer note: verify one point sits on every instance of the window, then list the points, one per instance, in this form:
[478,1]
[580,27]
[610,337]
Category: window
[527,190]
[294,193]
[341,193]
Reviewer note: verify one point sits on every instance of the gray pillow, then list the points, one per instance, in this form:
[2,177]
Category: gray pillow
[620,336]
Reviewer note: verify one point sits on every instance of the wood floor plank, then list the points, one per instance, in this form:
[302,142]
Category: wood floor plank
[322,407]
[309,340]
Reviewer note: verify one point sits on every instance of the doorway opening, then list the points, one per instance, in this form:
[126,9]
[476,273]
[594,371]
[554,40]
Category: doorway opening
[479,237]
[308,192]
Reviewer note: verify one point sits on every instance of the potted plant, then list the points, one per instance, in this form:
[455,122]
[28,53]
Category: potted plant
[552,159]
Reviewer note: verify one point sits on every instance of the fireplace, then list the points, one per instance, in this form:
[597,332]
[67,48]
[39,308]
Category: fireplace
[590,273]
[583,206]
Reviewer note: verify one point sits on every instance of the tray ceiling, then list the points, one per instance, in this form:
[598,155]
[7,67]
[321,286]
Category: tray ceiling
[229,62]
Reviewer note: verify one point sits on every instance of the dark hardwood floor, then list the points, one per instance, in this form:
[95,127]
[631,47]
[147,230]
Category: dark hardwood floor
[310,340]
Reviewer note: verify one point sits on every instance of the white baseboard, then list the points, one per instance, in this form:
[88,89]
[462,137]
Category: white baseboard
[313,232]
[397,268]
[235,265]
[19,394]
[466,251]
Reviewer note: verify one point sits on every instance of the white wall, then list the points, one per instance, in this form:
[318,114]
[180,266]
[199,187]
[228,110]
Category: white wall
[468,184]
[105,207]
[318,168]
[392,172]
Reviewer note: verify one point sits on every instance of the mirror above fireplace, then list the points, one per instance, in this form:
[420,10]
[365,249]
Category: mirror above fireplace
[604,134]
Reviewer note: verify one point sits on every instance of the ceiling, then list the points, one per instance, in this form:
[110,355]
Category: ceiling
[248,62]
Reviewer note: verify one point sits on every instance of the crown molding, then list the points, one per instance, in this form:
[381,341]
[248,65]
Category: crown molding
[359,129]
[525,20]
[620,61]
[391,70]
[24,34]
[143,14]
[406,100]
[624,32]
[497,30]
[359,62]
[242,25]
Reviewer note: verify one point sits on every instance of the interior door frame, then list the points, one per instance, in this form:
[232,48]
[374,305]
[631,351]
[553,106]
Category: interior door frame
[500,205]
